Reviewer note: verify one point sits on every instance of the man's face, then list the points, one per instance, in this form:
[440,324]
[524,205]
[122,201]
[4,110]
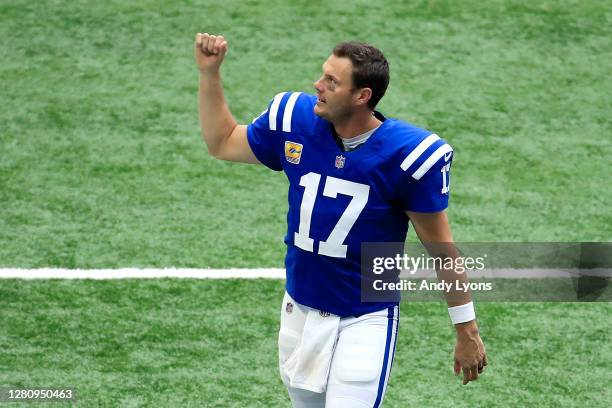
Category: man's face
[335,89]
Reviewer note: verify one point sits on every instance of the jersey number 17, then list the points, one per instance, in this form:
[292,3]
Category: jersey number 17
[333,246]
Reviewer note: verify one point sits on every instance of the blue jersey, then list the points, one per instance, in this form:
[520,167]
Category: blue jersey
[338,199]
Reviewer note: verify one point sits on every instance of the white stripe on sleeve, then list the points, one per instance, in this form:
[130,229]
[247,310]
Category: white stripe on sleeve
[442,150]
[416,153]
[289,111]
[274,110]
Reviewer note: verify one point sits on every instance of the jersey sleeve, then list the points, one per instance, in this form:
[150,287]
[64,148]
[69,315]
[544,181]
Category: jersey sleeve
[289,113]
[424,186]
[262,137]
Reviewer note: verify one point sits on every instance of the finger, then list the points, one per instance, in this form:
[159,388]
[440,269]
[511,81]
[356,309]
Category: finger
[485,361]
[211,44]
[457,367]
[474,374]
[204,41]
[222,45]
[470,374]
[218,41]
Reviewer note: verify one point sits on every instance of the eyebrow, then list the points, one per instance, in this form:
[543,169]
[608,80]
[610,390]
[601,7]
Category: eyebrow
[335,78]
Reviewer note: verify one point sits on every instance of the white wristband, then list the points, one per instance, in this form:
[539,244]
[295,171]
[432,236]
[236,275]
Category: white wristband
[462,313]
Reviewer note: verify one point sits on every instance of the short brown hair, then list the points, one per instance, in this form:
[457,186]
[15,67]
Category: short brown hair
[370,68]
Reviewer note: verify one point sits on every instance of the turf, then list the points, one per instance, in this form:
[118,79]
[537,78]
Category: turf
[102,166]
[102,162]
[195,343]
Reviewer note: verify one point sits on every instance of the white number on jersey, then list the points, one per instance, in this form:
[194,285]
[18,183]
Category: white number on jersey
[445,179]
[333,246]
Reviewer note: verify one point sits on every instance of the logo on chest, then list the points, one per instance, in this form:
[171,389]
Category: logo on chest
[340,160]
[293,152]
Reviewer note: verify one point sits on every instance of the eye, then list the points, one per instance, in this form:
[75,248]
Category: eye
[331,81]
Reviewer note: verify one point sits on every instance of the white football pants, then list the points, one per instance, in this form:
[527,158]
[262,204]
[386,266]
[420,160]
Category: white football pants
[361,362]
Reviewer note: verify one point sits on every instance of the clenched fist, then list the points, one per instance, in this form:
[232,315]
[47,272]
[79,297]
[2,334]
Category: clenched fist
[210,51]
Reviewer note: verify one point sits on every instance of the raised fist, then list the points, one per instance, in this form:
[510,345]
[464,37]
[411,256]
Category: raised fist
[210,51]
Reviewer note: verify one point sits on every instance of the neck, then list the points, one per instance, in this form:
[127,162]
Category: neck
[356,124]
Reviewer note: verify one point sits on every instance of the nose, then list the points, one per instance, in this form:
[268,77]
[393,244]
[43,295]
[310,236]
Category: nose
[318,86]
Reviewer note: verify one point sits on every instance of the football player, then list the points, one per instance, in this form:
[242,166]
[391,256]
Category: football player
[354,176]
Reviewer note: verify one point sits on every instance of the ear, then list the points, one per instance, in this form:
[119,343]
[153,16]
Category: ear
[362,96]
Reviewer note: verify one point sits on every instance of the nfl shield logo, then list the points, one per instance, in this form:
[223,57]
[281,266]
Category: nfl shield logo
[340,161]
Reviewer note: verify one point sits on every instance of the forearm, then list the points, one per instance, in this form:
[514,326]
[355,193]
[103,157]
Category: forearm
[456,281]
[216,119]
[458,292]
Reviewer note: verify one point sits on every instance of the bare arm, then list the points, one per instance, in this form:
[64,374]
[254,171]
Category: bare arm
[433,229]
[225,138]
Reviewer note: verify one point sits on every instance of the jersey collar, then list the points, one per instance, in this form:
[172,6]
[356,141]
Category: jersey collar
[338,141]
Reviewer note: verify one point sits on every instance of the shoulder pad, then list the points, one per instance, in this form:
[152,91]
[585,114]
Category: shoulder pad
[292,112]
[420,150]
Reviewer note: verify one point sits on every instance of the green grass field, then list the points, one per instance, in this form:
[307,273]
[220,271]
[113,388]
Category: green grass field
[102,166]
[213,343]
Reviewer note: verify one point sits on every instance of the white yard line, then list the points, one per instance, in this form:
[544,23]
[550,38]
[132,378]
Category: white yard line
[266,273]
[125,273]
